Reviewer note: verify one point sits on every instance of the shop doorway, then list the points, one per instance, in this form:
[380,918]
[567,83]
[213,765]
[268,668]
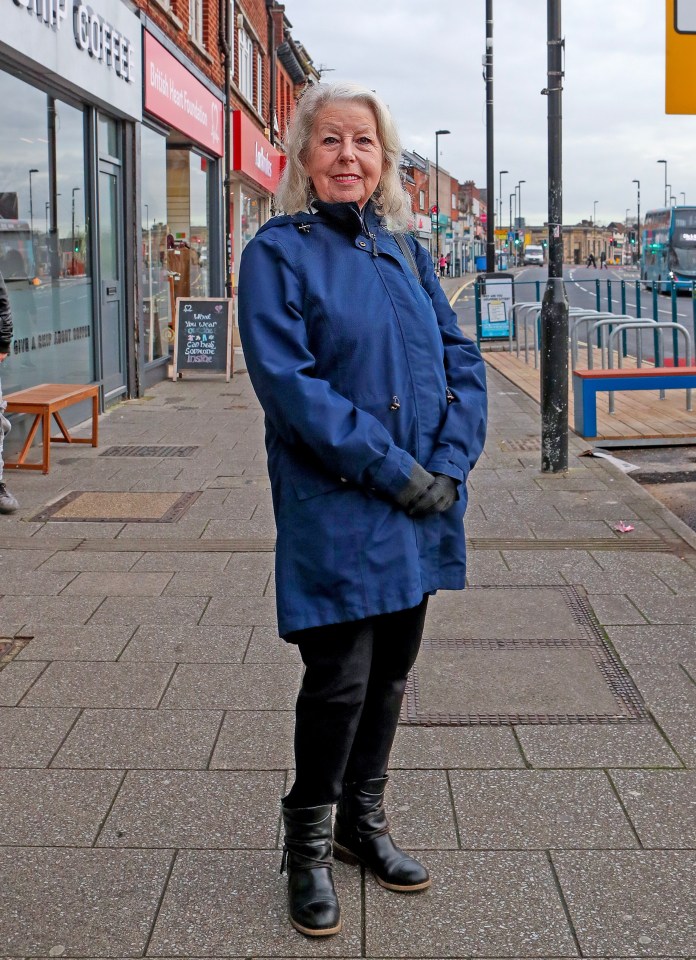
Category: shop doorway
[113,348]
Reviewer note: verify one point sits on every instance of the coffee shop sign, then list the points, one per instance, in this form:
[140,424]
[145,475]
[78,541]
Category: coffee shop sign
[92,32]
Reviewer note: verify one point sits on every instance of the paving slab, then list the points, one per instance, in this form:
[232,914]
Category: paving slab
[90,561]
[99,684]
[90,903]
[186,644]
[30,737]
[16,679]
[501,904]
[527,809]
[233,904]
[661,805]
[207,809]
[661,608]
[176,561]
[76,643]
[158,610]
[596,745]
[265,646]
[665,686]
[118,584]
[12,561]
[454,747]
[251,583]
[39,611]
[239,687]
[615,609]
[679,727]
[57,808]
[23,583]
[420,810]
[255,740]
[638,903]
[141,739]
[653,644]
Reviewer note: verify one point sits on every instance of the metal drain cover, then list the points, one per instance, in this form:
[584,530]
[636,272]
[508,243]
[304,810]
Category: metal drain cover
[516,677]
[132,450]
[522,445]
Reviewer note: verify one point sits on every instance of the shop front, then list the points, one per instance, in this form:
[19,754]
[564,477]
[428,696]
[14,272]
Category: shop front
[256,166]
[70,96]
[423,229]
[181,144]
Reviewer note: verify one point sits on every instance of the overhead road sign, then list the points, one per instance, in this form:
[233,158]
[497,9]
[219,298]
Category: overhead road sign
[680,76]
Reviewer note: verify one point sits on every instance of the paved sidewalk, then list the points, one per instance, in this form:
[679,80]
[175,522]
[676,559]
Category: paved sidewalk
[146,718]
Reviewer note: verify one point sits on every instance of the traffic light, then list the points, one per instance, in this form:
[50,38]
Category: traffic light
[544,244]
[632,236]
[77,246]
[433,210]
[517,238]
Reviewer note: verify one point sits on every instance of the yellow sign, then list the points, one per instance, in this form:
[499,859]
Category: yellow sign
[680,86]
[501,234]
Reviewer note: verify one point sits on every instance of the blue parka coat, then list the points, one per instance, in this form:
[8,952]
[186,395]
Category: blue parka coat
[360,371]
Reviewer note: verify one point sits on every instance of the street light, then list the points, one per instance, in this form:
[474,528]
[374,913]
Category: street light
[594,226]
[683,196]
[438,134]
[500,195]
[672,197]
[637,182]
[72,232]
[666,194]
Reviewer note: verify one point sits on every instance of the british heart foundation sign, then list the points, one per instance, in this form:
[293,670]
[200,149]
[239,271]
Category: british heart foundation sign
[175,96]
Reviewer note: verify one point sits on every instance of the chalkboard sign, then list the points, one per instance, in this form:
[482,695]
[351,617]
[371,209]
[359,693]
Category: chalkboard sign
[203,336]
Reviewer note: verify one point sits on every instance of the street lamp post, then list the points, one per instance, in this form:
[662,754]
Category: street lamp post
[672,198]
[438,134]
[31,204]
[490,167]
[666,194]
[683,196]
[594,225]
[637,183]
[72,233]
[500,196]
[519,209]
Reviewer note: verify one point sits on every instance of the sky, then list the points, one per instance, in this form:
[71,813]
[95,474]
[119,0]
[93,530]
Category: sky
[423,57]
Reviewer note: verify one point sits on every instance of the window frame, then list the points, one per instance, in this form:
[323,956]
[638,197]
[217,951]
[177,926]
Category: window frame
[245,52]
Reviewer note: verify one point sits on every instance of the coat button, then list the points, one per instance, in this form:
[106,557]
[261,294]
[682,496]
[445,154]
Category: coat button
[395,404]
[362,243]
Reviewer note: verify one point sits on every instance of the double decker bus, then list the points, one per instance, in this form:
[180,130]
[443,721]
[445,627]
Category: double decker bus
[668,252]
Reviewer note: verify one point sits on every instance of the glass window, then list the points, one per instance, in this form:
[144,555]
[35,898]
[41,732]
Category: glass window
[44,238]
[196,20]
[200,282]
[246,65]
[156,280]
[421,199]
[250,217]
[107,137]
[259,83]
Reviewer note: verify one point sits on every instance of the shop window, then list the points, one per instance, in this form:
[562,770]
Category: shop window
[245,49]
[251,220]
[157,281]
[196,21]
[108,137]
[45,238]
[421,199]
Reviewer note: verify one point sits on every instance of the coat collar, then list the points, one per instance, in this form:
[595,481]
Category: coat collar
[348,215]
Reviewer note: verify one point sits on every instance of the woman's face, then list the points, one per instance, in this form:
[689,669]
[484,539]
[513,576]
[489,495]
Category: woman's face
[345,158]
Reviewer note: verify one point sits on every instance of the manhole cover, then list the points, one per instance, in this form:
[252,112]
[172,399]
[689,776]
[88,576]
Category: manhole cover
[132,450]
[532,656]
[90,506]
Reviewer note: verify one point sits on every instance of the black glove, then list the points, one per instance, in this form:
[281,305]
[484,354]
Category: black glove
[437,498]
[418,484]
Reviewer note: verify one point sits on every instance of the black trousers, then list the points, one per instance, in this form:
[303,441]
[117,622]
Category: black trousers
[348,706]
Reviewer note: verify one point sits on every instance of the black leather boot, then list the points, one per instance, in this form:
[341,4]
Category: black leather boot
[312,901]
[361,835]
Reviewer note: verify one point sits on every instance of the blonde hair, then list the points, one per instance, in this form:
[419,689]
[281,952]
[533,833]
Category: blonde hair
[391,200]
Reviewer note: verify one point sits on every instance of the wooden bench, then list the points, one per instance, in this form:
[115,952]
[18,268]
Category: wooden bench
[44,401]
[588,383]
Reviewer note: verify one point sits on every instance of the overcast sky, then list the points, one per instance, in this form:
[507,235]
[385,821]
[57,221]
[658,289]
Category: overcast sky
[423,57]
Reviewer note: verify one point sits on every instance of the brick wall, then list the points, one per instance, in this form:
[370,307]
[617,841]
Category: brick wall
[173,19]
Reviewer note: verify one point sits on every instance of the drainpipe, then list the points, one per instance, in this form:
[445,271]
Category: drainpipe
[224,21]
[272,63]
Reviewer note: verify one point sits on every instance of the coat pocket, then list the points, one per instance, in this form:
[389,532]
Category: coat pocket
[308,485]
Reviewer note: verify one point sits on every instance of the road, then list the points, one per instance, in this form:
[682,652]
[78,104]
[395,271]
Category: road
[582,284]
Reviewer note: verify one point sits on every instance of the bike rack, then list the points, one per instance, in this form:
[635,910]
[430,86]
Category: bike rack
[583,317]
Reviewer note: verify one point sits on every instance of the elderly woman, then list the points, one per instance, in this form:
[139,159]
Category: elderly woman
[375,409]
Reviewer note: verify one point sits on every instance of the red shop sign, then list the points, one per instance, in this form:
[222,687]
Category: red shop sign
[175,96]
[252,154]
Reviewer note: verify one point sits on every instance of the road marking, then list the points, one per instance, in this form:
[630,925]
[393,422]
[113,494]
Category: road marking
[454,297]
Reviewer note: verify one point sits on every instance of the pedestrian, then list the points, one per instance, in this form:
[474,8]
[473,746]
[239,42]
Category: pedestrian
[8,503]
[375,407]
[442,263]
[591,262]
[603,260]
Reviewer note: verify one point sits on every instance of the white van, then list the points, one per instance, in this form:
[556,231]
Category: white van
[534,255]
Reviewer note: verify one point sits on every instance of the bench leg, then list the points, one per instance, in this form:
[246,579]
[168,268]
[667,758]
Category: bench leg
[585,409]
[46,428]
[27,443]
[63,429]
[95,420]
